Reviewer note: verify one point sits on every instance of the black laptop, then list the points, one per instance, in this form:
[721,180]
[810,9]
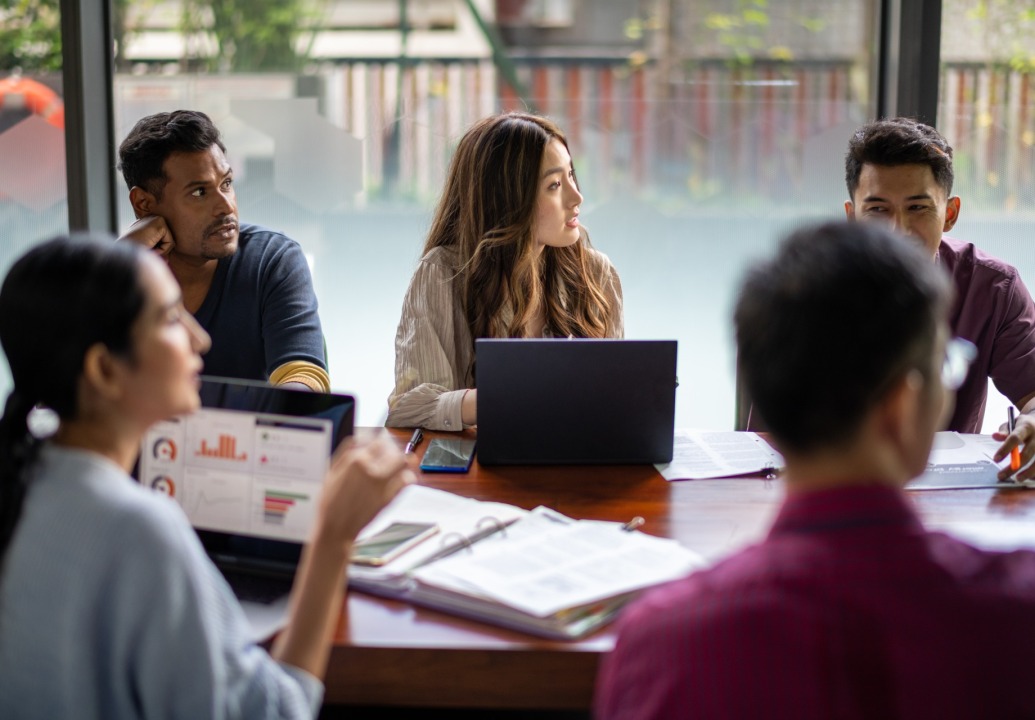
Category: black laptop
[247,468]
[575,401]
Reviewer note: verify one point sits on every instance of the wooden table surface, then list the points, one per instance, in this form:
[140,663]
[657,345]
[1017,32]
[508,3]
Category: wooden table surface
[390,653]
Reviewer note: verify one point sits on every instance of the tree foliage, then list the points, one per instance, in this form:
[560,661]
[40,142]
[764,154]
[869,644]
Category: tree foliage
[30,35]
[744,30]
[250,35]
[1008,28]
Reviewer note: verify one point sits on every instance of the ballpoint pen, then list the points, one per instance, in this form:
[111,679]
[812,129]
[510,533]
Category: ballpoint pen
[415,439]
[1015,454]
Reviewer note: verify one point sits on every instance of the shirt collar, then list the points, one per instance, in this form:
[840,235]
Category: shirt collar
[845,508]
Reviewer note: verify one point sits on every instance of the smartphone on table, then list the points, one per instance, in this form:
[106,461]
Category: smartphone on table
[448,455]
[384,546]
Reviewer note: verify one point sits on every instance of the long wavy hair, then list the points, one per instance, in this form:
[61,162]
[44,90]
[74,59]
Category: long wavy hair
[487,214]
[57,301]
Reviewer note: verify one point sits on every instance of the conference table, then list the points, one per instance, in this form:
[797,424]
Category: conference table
[393,654]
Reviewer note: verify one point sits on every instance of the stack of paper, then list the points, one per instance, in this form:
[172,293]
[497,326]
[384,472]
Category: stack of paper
[552,575]
[699,455]
[539,572]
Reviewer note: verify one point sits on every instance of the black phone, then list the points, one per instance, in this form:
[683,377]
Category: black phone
[448,455]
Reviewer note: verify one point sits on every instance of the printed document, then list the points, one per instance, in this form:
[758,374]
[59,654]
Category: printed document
[699,455]
[960,461]
[548,563]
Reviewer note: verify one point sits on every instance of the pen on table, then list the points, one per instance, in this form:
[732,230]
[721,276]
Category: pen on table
[415,439]
[1015,454]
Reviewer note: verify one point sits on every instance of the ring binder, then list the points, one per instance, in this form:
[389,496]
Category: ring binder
[467,541]
[554,576]
[501,527]
[464,542]
[549,575]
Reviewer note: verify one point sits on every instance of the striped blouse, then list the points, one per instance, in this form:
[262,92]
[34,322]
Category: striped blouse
[433,346]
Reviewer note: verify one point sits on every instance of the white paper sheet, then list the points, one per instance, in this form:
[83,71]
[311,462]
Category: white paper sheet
[698,455]
[541,566]
[960,461]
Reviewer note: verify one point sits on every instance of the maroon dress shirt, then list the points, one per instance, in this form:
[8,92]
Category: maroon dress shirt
[849,609]
[993,310]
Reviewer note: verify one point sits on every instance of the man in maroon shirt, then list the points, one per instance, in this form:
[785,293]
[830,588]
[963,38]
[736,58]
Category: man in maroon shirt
[849,608]
[899,171]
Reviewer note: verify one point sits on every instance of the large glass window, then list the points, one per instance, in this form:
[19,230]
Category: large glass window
[33,191]
[701,130]
[986,111]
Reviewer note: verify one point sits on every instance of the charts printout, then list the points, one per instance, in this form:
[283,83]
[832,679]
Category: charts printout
[240,473]
[699,455]
[959,461]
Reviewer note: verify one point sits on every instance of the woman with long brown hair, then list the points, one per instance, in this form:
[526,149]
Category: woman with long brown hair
[506,257]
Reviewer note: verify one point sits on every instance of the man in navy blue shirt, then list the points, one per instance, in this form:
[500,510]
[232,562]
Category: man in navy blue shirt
[249,287]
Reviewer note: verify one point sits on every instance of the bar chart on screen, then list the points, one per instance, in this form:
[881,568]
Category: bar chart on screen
[241,473]
[220,440]
[283,508]
[225,448]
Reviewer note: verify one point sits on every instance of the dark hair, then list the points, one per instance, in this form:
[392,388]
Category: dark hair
[57,301]
[827,327]
[154,138]
[898,141]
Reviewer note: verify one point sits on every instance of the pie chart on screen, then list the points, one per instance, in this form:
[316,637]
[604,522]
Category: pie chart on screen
[164,449]
[164,485]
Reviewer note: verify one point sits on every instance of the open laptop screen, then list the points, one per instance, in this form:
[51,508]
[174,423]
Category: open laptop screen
[248,467]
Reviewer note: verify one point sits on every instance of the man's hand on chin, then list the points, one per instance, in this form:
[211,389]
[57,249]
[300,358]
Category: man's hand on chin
[153,233]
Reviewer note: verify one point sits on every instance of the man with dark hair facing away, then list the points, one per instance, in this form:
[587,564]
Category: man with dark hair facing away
[249,287]
[849,608]
[899,171]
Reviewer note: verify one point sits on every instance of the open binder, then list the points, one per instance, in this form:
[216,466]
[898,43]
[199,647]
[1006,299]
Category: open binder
[539,572]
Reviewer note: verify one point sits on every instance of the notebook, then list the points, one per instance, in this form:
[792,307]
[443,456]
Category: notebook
[556,401]
[536,571]
[247,468]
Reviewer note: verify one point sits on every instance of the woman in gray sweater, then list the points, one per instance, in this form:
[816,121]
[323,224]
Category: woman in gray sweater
[109,607]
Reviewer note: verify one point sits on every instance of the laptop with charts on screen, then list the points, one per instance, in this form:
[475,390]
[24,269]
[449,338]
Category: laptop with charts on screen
[248,468]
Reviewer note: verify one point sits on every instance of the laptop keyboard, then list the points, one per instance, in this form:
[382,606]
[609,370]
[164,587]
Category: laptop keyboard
[256,588]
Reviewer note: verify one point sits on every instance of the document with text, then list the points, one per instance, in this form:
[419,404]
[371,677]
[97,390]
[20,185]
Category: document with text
[959,461]
[542,566]
[701,455]
[551,575]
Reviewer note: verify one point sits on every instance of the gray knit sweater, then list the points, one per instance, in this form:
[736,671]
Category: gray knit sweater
[109,608]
